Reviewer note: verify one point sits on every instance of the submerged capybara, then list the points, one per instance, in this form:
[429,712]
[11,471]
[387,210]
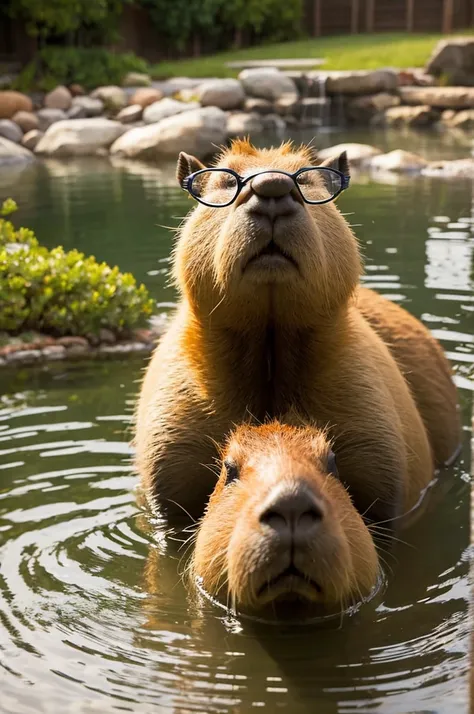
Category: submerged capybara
[280,526]
[270,319]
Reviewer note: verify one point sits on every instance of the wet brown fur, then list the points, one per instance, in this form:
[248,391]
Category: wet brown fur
[313,342]
[236,554]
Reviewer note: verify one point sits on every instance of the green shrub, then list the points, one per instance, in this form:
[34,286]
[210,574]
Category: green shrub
[89,66]
[62,293]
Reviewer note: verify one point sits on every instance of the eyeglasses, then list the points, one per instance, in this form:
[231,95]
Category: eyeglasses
[218,188]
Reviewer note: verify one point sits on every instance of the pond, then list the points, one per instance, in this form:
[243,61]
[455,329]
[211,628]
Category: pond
[94,615]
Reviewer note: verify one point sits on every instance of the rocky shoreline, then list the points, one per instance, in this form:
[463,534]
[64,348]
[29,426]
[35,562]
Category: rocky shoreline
[36,348]
[149,121]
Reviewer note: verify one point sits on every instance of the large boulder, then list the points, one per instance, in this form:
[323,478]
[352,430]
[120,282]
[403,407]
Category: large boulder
[409,116]
[146,96]
[13,102]
[27,121]
[454,59]
[364,108]
[90,106]
[136,79]
[259,106]
[358,154]
[196,132]
[59,98]
[79,137]
[399,161]
[222,93]
[48,117]
[361,82]
[166,108]
[9,130]
[11,153]
[114,98]
[267,83]
[241,124]
[441,97]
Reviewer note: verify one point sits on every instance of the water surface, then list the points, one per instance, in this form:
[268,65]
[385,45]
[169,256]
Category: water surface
[93,614]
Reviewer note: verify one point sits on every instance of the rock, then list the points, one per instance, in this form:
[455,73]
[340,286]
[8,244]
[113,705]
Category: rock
[24,356]
[10,130]
[267,83]
[113,98]
[288,105]
[442,97]
[222,93]
[136,79]
[27,121]
[242,124]
[59,98]
[145,97]
[130,114]
[459,120]
[459,168]
[273,124]
[361,82]
[258,106]
[72,341]
[47,117]
[79,137]
[106,336]
[11,153]
[358,154]
[31,139]
[77,90]
[414,78]
[454,59]
[144,335]
[13,102]
[76,113]
[54,352]
[197,132]
[91,107]
[409,116]
[399,161]
[362,109]
[166,108]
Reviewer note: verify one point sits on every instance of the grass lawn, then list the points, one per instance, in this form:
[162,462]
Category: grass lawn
[341,52]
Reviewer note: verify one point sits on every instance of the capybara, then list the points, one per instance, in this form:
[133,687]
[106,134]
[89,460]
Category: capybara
[271,319]
[280,526]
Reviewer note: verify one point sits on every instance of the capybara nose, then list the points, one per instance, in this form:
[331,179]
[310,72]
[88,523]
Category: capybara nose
[294,515]
[272,185]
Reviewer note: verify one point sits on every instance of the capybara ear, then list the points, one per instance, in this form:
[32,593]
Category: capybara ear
[340,163]
[187,164]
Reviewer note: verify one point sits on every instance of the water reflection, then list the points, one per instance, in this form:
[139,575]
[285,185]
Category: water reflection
[95,615]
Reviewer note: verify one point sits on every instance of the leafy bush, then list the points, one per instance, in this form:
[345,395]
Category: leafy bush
[89,66]
[62,293]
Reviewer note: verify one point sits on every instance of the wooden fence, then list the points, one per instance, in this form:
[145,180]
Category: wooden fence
[333,17]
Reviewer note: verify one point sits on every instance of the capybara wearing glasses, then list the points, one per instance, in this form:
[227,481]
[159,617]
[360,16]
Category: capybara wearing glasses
[271,318]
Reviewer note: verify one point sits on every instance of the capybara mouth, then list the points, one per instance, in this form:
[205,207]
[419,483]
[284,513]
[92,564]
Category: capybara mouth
[271,256]
[290,583]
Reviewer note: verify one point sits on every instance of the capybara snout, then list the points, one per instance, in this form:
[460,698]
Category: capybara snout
[280,526]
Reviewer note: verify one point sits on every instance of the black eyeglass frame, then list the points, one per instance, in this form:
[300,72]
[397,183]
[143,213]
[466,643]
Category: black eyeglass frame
[187,183]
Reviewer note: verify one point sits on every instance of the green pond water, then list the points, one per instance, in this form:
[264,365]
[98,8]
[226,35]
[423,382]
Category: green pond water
[94,616]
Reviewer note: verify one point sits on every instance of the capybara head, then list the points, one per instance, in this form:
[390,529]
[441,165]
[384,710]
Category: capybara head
[281,527]
[268,251]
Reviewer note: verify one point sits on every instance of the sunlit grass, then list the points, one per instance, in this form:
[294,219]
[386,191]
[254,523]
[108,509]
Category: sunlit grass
[341,52]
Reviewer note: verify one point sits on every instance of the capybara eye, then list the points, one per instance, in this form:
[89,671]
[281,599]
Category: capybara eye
[332,465]
[232,472]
